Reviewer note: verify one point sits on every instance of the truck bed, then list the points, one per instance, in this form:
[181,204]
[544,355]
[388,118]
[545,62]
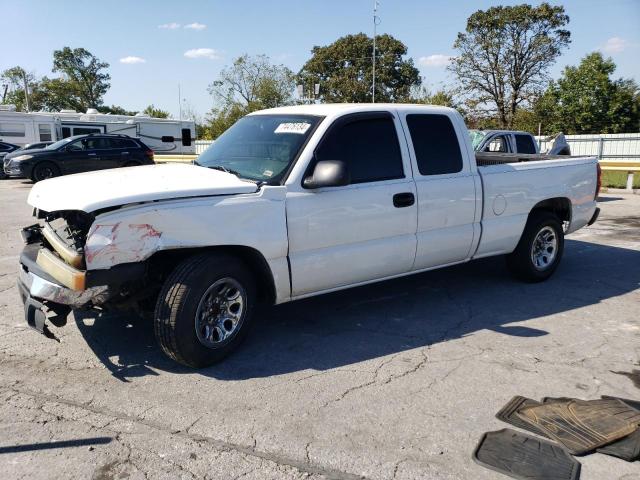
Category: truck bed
[486,158]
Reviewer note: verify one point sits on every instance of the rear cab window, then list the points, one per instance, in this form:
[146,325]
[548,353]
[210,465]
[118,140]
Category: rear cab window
[435,143]
[525,144]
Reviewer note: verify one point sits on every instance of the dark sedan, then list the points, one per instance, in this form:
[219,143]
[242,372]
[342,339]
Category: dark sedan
[82,153]
[5,149]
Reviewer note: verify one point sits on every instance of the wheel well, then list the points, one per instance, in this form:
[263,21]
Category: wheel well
[162,263]
[560,207]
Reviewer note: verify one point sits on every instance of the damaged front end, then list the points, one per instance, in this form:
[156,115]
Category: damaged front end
[53,278]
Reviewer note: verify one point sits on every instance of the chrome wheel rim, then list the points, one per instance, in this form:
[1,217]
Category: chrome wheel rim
[544,248]
[220,312]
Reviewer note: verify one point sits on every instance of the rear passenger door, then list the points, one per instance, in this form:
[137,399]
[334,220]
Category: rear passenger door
[363,231]
[447,206]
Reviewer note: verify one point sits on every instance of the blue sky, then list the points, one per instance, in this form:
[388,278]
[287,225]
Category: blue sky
[154,45]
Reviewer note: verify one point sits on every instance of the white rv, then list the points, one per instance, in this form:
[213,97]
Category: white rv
[24,128]
[163,136]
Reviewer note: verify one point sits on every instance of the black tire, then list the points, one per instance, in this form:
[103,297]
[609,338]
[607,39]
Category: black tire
[44,170]
[179,300]
[521,262]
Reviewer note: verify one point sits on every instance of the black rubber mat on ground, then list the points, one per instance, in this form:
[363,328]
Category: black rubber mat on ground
[523,456]
[508,414]
[627,448]
[583,425]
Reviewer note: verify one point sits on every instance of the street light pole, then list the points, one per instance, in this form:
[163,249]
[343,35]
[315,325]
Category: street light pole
[375,24]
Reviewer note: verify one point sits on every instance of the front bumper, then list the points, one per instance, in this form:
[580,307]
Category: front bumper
[11,169]
[46,290]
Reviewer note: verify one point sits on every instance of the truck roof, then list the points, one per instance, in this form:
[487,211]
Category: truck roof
[487,132]
[326,109]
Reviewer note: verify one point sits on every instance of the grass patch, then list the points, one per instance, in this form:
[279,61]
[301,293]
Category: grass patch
[619,179]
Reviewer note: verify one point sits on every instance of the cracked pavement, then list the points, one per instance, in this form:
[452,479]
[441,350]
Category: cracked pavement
[396,380]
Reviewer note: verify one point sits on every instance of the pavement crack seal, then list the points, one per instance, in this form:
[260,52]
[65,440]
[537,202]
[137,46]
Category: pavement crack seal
[329,473]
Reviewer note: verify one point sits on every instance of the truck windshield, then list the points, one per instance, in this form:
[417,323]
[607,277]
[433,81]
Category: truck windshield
[476,138]
[260,147]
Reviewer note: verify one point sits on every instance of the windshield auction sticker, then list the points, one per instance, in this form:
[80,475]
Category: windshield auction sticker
[299,128]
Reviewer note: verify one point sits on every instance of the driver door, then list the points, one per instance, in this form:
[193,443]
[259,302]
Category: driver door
[363,231]
[75,157]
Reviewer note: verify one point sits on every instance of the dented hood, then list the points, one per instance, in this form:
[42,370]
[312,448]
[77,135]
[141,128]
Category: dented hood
[93,191]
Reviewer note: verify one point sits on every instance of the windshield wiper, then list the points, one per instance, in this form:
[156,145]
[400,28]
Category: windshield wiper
[225,169]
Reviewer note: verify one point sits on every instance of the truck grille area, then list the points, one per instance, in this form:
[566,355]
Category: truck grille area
[62,238]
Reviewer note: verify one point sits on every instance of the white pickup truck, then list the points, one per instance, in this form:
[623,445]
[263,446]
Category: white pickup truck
[289,203]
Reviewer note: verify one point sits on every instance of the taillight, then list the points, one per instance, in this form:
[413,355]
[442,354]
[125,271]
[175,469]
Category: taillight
[149,154]
[599,183]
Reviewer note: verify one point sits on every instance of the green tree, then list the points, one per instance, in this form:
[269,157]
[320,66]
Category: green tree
[84,77]
[116,110]
[219,120]
[254,83]
[154,112]
[344,70]
[13,78]
[504,56]
[587,100]
[443,97]
[249,84]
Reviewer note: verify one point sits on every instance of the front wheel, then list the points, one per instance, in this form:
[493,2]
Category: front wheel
[205,309]
[44,170]
[540,248]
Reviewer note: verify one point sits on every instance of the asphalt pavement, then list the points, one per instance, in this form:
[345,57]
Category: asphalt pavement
[396,380]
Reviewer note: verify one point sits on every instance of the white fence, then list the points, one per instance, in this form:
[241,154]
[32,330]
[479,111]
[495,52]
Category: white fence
[608,146]
[201,145]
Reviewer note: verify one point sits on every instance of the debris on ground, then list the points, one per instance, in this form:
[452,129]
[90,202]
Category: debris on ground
[608,425]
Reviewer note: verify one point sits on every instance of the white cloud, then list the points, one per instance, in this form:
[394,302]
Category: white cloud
[196,26]
[169,26]
[614,45]
[132,60]
[436,60]
[209,53]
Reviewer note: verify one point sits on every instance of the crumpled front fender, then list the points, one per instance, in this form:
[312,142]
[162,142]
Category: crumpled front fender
[111,244]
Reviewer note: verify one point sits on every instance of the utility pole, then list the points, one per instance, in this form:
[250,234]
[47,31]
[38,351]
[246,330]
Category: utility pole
[375,24]
[4,94]
[180,102]
[26,90]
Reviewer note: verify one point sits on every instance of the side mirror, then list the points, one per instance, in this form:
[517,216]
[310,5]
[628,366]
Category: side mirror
[328,173]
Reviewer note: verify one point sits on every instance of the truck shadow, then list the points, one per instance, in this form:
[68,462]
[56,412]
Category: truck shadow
[356,325]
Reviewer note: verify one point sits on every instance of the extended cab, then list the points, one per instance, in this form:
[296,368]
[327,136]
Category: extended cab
[289,203]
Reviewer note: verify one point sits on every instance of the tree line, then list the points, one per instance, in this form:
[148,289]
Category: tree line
[501,72]
[82,83]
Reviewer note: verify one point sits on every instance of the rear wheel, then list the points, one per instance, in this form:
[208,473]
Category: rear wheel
[540,249]
[205,309]
[44,170]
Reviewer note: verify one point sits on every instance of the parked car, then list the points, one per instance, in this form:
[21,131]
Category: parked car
[503,141]
[82,153]
[6,148]
[289,203]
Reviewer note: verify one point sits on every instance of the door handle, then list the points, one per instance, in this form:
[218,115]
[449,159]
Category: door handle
[405,199]
[92,154]
[124,153]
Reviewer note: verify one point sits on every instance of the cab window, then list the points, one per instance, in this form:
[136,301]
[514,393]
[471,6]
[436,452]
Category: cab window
[369,147]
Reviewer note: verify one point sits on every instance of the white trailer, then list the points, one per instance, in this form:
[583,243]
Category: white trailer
[160,134]
[24,128]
